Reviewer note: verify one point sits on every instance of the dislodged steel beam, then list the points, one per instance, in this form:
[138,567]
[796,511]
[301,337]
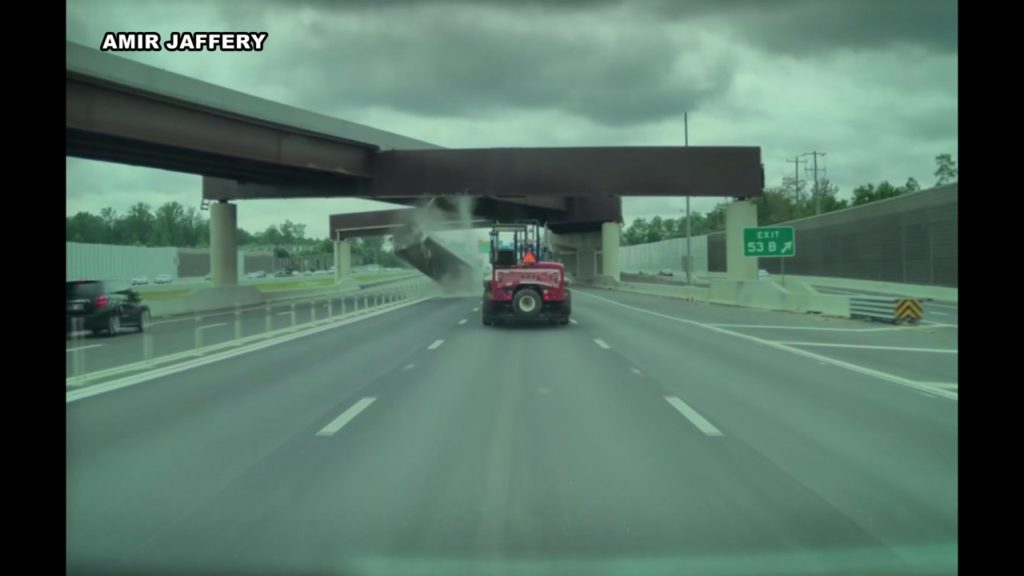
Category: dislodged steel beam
[582,172]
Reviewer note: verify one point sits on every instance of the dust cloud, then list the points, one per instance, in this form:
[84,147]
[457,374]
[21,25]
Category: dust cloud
[448,242]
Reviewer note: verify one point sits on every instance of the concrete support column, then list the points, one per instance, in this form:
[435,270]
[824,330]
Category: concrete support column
[739,215]
[224,244]
[610,250]
[342,259]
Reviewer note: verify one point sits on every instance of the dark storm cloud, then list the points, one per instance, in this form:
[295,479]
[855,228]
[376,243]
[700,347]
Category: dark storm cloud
[801,26]
[433,62]
[789,26]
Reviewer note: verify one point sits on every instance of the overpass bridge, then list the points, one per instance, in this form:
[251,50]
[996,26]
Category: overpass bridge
[245,147]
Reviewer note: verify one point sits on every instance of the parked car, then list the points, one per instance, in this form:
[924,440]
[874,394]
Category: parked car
[162,279]
[140,281]
[104,306]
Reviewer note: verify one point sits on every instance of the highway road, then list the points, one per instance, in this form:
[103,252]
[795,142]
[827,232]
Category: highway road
[650,436]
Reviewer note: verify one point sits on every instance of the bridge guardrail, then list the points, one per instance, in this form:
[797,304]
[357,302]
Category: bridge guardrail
[891,309]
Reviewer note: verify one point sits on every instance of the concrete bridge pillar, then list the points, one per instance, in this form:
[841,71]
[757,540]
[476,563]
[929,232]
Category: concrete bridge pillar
[610,250]
[739,215]
[224,244]
[342,259]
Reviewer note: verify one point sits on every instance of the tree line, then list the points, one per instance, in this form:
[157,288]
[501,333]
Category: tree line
[173,225]
[789,201]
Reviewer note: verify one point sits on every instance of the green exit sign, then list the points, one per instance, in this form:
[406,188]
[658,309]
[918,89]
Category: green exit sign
[777,241]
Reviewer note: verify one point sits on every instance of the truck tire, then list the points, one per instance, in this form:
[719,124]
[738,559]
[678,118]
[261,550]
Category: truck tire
[486,310]
[527,303]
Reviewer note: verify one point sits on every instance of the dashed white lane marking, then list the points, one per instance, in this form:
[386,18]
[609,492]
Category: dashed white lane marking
[204,327]
[934,313]
[346,416]
[408,367]
[283,313]
[573,321]
[435,345]
[703,425]
[601,343]
[872,347]
[476,309]
[636,371]
[461,322]
[83,347]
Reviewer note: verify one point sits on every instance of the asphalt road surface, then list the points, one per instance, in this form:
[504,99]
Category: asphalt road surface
[650,436]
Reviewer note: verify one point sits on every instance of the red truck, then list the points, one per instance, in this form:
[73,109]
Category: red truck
[522,285]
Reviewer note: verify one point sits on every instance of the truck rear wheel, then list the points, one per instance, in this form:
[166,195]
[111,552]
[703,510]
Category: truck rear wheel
[527,302]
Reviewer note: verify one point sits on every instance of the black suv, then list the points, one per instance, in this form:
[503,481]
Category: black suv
[103,305]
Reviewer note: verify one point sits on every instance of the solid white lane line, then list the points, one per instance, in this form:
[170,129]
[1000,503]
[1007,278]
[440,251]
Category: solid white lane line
[870,347]
[204,327]
[703,425]
[939,324]
[934,313]
[573,321]
[601,343]
[461,322]
[435,345]
[805,353]
[346,417]
[84,347]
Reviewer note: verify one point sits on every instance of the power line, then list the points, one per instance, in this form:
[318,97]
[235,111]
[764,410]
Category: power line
[817,193]
[796,175]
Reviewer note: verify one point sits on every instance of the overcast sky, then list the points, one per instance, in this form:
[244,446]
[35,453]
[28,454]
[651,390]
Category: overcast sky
[873,83]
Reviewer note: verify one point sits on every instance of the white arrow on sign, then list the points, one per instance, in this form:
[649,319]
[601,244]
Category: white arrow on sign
[788,246]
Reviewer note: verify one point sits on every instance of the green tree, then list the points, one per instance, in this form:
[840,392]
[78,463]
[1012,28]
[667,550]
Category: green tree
[911,185]
[716,219]
[169,226]
[271,236]
[945,169]
[244,237]
[87,228]
[774,206]
[635,233]
[372,248]
[870,193]
[655,230]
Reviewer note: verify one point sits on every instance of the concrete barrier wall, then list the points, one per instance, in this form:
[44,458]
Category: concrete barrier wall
[109,262]
[664,255]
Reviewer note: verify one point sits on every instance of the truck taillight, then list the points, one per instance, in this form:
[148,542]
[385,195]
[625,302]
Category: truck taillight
[101,301]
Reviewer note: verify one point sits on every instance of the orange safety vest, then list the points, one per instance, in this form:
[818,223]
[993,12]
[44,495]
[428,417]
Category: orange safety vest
[529,258]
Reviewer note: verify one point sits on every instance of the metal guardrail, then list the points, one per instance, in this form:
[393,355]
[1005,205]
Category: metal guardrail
[887,309]
[364,302]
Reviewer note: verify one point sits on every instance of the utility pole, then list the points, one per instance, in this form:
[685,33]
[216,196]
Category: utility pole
[817,194]
[689,254]
[796,176]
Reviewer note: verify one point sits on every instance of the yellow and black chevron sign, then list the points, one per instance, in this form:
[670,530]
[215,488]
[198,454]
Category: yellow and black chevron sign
[909,310]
